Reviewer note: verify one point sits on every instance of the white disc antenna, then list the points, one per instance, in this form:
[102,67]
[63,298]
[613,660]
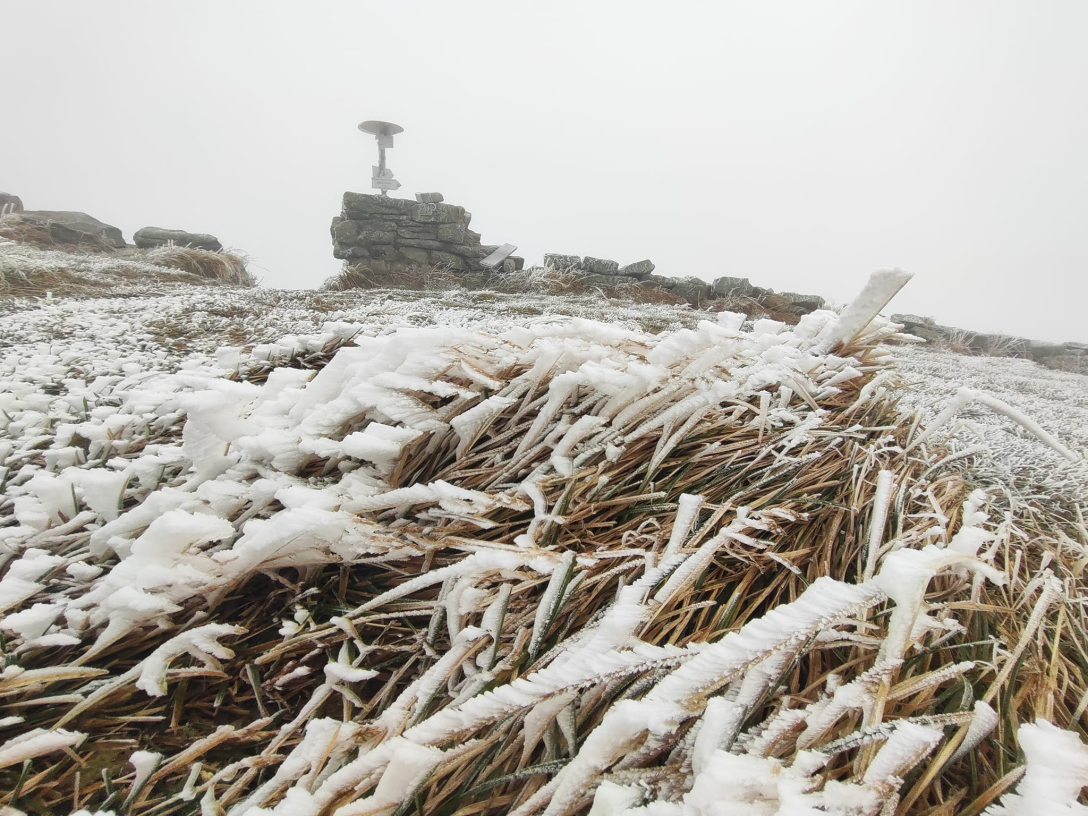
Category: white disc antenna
[384,132]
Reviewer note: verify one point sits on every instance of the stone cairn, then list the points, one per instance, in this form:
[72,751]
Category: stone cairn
[390,237]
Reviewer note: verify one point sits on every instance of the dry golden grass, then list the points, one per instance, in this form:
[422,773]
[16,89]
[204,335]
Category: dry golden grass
[1022,649]
[223,267]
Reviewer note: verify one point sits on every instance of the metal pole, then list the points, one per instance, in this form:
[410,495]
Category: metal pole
[381,165]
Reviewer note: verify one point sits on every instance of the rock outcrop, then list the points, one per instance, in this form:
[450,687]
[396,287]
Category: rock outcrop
[1061,356]
[74,227]
[148,237]
[10,204]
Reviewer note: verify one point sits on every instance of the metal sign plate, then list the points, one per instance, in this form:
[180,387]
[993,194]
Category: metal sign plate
[496,258]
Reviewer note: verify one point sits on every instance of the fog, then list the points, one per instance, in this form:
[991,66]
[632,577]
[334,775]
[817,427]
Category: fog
[798,144]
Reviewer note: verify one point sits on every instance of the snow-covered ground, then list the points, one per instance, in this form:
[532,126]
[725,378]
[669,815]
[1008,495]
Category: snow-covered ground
[46,342]
[180,388]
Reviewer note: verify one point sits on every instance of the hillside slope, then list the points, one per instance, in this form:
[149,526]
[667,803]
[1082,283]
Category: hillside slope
[373,552]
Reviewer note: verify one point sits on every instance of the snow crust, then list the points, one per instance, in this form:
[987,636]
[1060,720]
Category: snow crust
[227,491]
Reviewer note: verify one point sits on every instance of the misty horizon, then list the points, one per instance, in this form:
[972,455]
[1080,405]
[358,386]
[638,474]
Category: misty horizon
[798,146]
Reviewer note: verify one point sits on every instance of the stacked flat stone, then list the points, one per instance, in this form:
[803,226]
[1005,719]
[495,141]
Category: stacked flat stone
[387,235]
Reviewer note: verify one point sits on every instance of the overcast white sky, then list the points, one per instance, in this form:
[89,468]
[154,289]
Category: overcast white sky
[800,144]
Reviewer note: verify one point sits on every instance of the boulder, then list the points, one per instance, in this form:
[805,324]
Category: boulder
[148,237]
[74,227]
[694,290]
[509,266]
[802,304]
[516,260]
[429,198]
[638,269]
[10,204]
[600,266]
[554,260]
[733,287]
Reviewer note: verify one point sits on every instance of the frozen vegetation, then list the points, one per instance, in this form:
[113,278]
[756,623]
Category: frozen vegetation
[380,553]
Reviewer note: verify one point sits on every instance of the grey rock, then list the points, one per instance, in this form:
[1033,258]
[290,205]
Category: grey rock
[10,204]
[638,269]
[1039,350]
[509,266]
[148,237]
[694,290]
[600,266]
[363,233]
[1076,348]
[517,260]
[931,334]
[607,281]
[366,205]
[346,253]
[429,198]
[415,254]
[422,243]
[336,221]
[466,251]
[472,237]
[554,260]
[913,320]
[659,281]
[426,232]
[803,304]
[999,345]
[733,287]
[448,260]
[74,227]
[439,214]
[384,252]
[454,233]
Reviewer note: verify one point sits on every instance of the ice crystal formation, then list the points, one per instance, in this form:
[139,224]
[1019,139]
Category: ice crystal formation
[391,557]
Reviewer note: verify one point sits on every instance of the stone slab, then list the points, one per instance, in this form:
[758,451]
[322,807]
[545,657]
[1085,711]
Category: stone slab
[69,227]
[733,287]
[497,258]
[371,205]
[638,269]
[600,266]
[554,260]
[439,214]
[429,198]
